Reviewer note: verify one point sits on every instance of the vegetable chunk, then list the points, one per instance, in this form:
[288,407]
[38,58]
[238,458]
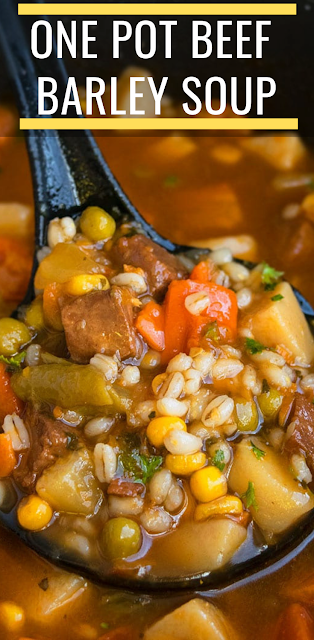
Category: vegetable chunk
[225,536]
[279,501]
[195,619]
[70,485]
[67,385]
[282,322]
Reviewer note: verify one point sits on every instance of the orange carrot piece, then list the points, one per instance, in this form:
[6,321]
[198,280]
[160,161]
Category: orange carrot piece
[9,402]
[202,272]
[150,324]
[180,324]
[295,624]
[15,268]
[7,456]
[51,308]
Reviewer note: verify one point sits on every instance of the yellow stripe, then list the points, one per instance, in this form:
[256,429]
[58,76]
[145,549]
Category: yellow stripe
[172,9]
[160,124]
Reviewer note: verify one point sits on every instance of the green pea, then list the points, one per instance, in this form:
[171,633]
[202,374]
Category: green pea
[13,335]
[121,537]
[97,224]
[270,403]
[246,414]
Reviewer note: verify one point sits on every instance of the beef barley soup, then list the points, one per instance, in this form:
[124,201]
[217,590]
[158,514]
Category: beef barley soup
[151,403]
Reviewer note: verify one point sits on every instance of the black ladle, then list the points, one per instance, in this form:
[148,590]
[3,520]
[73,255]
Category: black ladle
[70,173]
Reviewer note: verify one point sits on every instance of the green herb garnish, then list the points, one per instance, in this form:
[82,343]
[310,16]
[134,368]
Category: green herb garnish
[212,331]
[259,453]
[270,277]
[253,346]
[140,467]
[249,497]
[277,297]
[152,415]
[14,362]
[104,625]
[171,181]
[218,460]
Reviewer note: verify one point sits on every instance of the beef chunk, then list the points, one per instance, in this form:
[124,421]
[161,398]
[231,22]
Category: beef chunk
[49,440]
[160,267]
[302,438]
[121,487]
[100,322]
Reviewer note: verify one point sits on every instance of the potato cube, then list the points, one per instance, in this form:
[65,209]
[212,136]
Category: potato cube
[281,322]
[196,619]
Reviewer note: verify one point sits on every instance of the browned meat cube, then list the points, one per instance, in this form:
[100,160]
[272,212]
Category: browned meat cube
[160,267]
[126,488]
[302,438]
[50,439]
[100,322]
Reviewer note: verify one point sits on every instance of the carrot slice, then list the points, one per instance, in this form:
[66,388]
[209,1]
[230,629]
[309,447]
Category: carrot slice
[150,324]
[180,324]
[7,456]
[295,624]
[202,272]
[9,402]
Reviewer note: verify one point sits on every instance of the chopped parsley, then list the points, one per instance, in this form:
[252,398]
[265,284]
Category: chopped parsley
[259,453]
[218,459]
[104,625]
[152,415]
[140,467]
[15,361]
[171,181]
[277,297]
[270,277]
[253,346]
[249,497]
[265,386]
[212,331]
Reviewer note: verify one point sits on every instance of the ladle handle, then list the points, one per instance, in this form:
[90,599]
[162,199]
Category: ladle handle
[68,169]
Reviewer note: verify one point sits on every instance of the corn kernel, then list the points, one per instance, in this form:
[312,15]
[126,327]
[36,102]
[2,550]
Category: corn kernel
[79,285]
[34,513]
[208,484]
[159,428]
[182,465]
[12,616]
[222,506]
[34,316]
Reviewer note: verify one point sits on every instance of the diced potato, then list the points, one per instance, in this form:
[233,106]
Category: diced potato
[225,537]
[65,261]
[241,246]
[67,385]
[16,220]
[282,322]
[195,620]
[283,152]
[70,485]
[280,500]
[62,588]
